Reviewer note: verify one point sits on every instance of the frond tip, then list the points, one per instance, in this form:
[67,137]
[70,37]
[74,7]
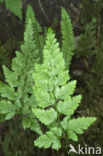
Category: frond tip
[67,37]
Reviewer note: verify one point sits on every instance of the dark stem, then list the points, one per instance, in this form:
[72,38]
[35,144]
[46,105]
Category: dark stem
[43,11]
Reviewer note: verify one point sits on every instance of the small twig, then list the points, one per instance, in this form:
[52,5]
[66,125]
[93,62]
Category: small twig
[75,9]
[43,11]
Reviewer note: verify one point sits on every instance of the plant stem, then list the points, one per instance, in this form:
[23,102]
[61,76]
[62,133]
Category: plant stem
[43,11]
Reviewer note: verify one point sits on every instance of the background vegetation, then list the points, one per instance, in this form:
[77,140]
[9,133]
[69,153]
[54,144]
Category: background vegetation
[86,66]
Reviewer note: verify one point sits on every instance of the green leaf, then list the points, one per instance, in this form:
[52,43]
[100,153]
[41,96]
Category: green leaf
[6,107]
[10,77]
[65,91]
[72,135]
[57,131]
[7,91]
[43,115]
[63,77]
[47,140]
[67,37]
[17,64]
[32,123]
[15,7]
[64,123]
[31,15]
[69,107]
[9,115]
[39,40]
[79,125]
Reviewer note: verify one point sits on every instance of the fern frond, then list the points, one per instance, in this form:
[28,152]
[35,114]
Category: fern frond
[14,6]
[18,87]
[39,40]
[68,107]
[7,109]
[43,115]
[68,88]
[67,37]
[77,126]
[55,100]
[30,122]
[5,55]
[53,65]
[31,15]
[10,77]
[7,91]
[47,140]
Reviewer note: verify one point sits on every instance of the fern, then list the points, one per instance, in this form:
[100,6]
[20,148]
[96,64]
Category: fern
[6,50]
[55,101]
[14,6]
[39,41]
[67,38]
[4,58]
[16,93]
[87,38]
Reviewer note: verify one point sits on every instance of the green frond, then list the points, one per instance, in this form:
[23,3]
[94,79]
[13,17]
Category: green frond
[10,77]
[39,40]
[18,88]
[7,109]
[55,101]
[47,140]
[31,15]
[67,37]
[43,115]
[49,75]
[7,91]
[68,107]
[30,122]
[61,93]
[5,54]
[77,126]
[14,6]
